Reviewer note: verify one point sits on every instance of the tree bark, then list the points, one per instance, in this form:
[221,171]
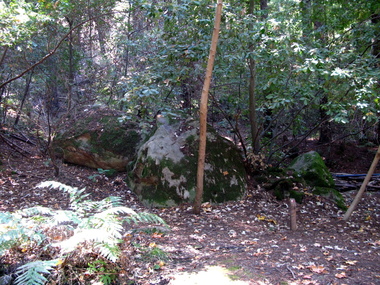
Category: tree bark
[305,8]
[203,111]
[3,55]
[71,66]
[26,92]
[375,19]
[325,132]
[252,105]
[252,90]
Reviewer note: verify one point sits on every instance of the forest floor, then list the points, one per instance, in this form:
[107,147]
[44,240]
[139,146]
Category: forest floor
[243,242]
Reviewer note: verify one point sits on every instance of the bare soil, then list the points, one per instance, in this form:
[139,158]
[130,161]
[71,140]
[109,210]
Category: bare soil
[243,242]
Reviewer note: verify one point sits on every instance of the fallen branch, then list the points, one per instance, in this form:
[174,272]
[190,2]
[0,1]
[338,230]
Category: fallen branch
[14,146]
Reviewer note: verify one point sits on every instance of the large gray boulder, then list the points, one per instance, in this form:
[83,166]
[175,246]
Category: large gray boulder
[99,139]
[164,173]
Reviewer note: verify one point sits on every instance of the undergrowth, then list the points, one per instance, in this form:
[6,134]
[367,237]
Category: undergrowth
[69,246]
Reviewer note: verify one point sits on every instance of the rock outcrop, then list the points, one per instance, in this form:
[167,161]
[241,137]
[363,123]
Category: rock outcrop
[99,140]
[311,167]
[164,173]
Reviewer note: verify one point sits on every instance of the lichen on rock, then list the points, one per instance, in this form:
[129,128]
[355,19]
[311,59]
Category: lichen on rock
[164,173]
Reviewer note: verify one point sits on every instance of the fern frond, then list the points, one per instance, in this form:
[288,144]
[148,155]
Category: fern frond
[32,273]
[118,210]
[15,230]
[57,185]
[108,251]
[89,236]
[110,202]
[6,217]
[76,195]
[145,218]
[99,224]
[38,210]
[65,217]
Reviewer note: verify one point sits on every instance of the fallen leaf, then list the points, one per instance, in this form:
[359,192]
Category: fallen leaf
[59,262]
[157,235]
[375,243]
[361,230]
[249,242]
[341,275]
[261,218]
[307,276]
[303,249]
[317,269]
[259,252]
[271,221]
[351,262]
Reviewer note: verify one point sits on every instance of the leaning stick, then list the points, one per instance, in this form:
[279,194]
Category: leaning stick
[364,186]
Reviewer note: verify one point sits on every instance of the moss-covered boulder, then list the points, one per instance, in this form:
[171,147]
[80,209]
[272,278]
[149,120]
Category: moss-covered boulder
[99,139]
[311,167]
[164,173]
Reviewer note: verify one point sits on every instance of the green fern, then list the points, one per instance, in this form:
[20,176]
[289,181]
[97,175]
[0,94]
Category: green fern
[97,225]
[32,273]
[16,230]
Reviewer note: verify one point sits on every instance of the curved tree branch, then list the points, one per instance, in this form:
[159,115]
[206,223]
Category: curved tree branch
[52,52]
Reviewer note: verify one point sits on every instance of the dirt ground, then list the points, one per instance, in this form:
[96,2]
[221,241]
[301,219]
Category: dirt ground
[243,242]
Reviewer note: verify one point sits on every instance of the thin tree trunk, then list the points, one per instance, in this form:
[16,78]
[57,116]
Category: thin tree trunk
[252,91]
[4,54]
[252,106]
[325,132]
[26,92]
[203,111]
[305,9]
[71,67]
[375,19]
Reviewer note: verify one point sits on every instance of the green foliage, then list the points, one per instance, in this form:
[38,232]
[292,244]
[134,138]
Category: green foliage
[18,21]
[32,272]
[150,57]
[96,225]
[106,172]
[100,267]
[152,253]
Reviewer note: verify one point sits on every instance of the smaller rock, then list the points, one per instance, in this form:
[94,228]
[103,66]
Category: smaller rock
[99,140]
[311,167]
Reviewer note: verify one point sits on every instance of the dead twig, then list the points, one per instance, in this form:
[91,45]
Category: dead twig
[15,147]
[291,271]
